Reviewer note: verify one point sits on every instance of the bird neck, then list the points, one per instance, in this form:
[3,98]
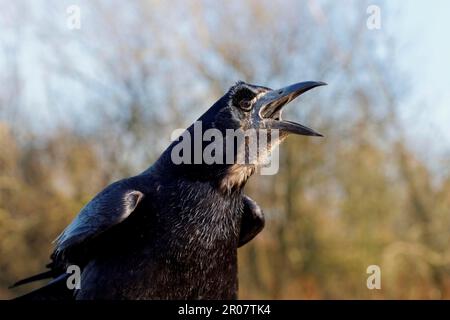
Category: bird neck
[226,178]
[235,177]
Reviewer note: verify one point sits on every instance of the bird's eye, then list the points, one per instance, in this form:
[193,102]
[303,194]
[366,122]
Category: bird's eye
[242,98]
[245,105]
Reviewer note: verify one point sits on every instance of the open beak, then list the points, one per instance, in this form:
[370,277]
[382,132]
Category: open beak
[270,106]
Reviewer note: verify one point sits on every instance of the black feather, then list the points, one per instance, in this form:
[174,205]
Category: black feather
[169,233]
[36,277]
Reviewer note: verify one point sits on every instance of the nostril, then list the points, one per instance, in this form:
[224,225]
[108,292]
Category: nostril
[280,92]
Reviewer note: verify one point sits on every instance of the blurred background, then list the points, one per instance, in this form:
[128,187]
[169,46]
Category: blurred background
[84,105]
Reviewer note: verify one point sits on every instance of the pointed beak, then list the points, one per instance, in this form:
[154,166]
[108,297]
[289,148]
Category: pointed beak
[270,107]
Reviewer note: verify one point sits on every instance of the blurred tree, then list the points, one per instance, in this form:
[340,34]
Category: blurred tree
[111,93]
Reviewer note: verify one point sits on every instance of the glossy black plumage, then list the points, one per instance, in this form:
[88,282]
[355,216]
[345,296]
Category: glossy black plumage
[171,232]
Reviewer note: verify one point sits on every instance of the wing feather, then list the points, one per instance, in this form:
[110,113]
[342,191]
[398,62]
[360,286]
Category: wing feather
[108,208]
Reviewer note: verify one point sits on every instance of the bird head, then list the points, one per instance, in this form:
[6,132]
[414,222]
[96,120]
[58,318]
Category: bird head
[246,106]
[247,110]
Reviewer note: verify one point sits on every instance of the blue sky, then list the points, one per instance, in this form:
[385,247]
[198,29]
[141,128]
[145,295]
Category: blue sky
[422,31]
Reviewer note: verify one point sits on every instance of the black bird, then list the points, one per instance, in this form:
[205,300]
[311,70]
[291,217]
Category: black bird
[172,232]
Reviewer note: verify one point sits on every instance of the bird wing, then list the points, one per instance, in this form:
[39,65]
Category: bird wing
[252,221]
[110,207]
